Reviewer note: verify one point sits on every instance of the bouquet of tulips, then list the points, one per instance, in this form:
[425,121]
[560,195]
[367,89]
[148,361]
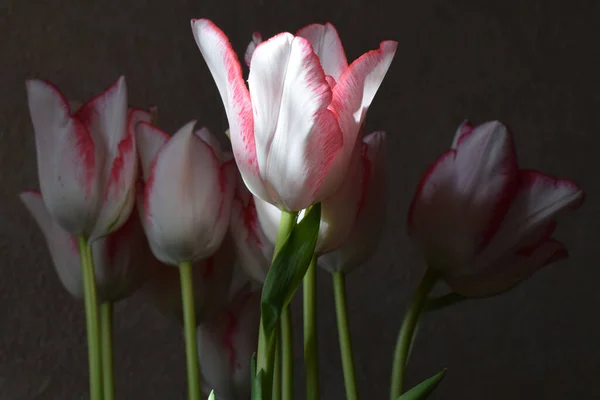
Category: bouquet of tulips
[221,240]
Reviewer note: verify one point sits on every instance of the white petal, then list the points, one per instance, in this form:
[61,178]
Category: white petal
[227,73]
[539,201]
[204,134]
[119,193]
[463,130]
[183,199]
[327,45]
[463,196]
[256,40]
[297,136]
[254,250]
[63,247]
[149,141]
[508,272]
[352,96]
[66,158]
[366,232]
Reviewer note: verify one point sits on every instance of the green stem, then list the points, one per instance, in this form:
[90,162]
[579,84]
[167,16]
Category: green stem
[91,317]
[106,316]
[406,334]
[341,311]
[189,318]
[265,354]
[277,370]
[287,353]
[311,360]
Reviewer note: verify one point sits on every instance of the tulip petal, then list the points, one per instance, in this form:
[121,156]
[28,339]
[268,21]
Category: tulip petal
[352,96]
[66,158]
[119,194]
[463,197]
[227,74]
[254,249]
[256,40]
[327,46]
[508,273]
[463,130]
[297,136]
[538,202]
[183,199]
[149,141]
[367,229]
[63,247]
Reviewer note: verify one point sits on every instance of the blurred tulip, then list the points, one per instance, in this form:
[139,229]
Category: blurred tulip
[121,258]
[294,129]
[226,344]
[188,188]
[211,278]
[87,163]
[362,242]
[482,223]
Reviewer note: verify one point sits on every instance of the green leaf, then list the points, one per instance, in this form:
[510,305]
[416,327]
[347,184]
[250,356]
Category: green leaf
[289,267]
[211,396]
[424,389]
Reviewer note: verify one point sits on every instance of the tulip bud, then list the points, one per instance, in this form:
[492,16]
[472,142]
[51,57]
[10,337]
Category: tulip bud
[87,163]
[120,258]
[225,347]
[186,199]
[482,223]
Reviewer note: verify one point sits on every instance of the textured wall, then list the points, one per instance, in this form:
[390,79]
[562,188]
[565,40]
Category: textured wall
[533,64]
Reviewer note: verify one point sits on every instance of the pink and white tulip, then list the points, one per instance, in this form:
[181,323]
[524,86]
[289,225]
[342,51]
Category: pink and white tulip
[225,347]
[211,277]
[87,163]
[366,231]
[483,223]
[294,127]
[185,202]
[120,258]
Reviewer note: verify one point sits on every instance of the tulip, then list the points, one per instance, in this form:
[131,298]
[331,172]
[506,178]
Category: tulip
[120,258]
[294,128]
[185,203]
[185,206]
[211,278]
[87,163]
[482,223]
[226,344]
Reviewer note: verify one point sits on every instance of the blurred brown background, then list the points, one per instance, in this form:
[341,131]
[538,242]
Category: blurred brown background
[533,64]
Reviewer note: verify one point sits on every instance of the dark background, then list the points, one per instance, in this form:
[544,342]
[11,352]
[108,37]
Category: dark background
[532,64]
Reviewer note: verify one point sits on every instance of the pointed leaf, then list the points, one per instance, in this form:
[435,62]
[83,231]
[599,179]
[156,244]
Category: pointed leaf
[289,267]
[425,388]
[211,396]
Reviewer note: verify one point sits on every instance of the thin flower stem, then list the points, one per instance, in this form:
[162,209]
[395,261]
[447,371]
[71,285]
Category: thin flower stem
[406,335]
[106,316]
[189,318]
[265,359]
[287,354]
[341,311]
[277,370]
[91,317]
[311,357]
